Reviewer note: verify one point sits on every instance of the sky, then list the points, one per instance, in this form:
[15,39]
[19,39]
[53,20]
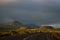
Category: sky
[30,11]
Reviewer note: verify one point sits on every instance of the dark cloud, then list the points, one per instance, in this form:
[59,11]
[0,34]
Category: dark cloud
[32,12]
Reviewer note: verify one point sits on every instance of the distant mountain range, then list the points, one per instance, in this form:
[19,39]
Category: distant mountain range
[10,26]
[15,25]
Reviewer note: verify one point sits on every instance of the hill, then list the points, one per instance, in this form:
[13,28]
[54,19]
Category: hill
[10,26]
[25,33]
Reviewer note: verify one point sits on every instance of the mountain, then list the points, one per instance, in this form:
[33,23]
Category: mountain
[32,26]
[15,25]
[47,27]
[10,26]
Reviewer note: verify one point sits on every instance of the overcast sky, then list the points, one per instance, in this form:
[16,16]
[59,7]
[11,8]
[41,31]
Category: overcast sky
[30,11]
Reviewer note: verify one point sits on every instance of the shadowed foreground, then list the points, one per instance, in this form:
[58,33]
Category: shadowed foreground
[13,35]
[25,33]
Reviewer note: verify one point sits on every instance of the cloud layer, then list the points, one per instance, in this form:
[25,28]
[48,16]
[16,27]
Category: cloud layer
[32,11]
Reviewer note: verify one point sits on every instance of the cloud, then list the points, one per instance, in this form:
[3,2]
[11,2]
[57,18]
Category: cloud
[55,25]
[7,1]
[7,20]
[33,11]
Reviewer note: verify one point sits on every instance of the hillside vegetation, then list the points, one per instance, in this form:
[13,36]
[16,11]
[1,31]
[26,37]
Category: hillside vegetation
[25,33]
[17,31]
